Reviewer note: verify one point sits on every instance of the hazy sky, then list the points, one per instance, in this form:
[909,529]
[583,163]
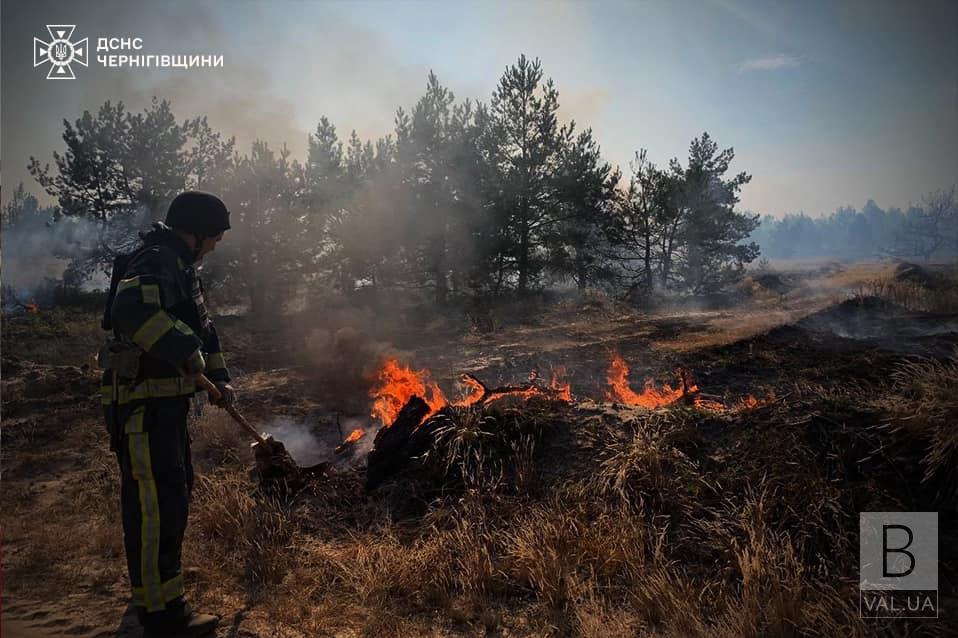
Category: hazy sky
[826,103]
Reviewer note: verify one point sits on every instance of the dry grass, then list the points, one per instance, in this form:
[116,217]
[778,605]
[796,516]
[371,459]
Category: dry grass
[218,439]
[642,465]
[69,337]
[913,296]
[236,534]
[924,406]
[540,520]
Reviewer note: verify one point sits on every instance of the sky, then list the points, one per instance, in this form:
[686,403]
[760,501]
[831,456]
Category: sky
[826,104]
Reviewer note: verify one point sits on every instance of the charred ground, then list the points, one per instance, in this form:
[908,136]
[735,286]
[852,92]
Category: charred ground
[526,517]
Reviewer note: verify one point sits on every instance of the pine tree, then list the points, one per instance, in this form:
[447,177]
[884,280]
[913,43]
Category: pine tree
[585,192]
[525,146]
[643,230]
[209,158]
[119,170]
[712,249]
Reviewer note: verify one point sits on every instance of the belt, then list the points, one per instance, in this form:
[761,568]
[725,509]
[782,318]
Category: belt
[148,389]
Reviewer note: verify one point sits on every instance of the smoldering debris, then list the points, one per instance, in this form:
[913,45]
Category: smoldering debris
[300,441]
[314,439]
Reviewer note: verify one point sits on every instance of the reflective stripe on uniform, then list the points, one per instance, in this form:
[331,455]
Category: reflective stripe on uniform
[139,444]
[169,590]
[182,327]
[148,389]
[151,294]
[152,329]
[131,282]
[134,425]
[215,361]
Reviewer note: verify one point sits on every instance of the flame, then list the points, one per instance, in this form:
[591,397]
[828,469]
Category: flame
[748,403]
[524,393]
[354,436]
[558,390]
[32,307]
[709,404]
[559,386]
[650,397]
[396,384]
[476,391]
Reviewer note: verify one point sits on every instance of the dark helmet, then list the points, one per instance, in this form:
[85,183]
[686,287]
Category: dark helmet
[201,214]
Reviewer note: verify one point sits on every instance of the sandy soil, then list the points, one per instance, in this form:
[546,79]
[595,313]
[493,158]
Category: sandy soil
[60,480]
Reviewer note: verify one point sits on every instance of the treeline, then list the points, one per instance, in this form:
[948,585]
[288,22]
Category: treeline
[925,231]
[463,200]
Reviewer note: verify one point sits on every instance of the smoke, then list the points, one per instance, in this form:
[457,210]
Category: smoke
[342,363]
[278,78]
[301,443]
[39,249]
[313,440]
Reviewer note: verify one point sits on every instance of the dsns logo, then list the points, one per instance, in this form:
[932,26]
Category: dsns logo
[60,52]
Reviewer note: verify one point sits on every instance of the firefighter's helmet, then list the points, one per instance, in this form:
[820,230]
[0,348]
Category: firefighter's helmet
[199,213]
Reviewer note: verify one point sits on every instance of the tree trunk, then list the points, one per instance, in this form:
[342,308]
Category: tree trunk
[647,260]
[523,261]
[582,273]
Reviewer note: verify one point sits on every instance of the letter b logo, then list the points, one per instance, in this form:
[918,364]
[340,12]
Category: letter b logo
[901,550]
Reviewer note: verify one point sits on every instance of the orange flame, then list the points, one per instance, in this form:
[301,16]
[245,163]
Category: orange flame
[524,393]
[354,436]
[559,386]
[650,397]
[396,385]
[748,403]
[32,308]
[476,391]
[709,404]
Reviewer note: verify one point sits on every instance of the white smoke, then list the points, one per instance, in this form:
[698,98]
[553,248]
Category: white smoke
[313,439]
[38,249]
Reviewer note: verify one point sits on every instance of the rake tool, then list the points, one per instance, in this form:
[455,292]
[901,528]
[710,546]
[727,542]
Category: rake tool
[278,472]
[214,392]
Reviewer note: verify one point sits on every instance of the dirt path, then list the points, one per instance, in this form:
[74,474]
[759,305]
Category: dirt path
[36,619]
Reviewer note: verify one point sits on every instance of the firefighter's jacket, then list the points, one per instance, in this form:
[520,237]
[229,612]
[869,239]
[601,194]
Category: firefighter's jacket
[159,307]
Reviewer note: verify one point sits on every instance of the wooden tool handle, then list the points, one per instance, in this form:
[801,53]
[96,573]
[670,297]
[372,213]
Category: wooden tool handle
[204,382]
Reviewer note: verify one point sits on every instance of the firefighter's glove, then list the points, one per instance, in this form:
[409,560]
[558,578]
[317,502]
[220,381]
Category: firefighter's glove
[194,365]
[227,395]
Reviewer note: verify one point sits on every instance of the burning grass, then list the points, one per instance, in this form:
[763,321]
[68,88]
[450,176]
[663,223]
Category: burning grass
[668,512]
[537,510]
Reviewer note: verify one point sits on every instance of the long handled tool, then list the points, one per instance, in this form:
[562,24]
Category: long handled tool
[204,382]
[278,473]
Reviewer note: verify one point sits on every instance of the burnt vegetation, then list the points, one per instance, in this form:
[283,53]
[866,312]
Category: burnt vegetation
[529,513]
[485,241]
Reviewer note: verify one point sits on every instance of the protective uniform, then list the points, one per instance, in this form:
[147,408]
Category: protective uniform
[159,319]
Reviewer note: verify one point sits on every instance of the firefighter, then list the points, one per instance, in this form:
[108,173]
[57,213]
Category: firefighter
[162,339]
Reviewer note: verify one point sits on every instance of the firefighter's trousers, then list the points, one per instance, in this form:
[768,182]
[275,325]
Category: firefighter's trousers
[153,450]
